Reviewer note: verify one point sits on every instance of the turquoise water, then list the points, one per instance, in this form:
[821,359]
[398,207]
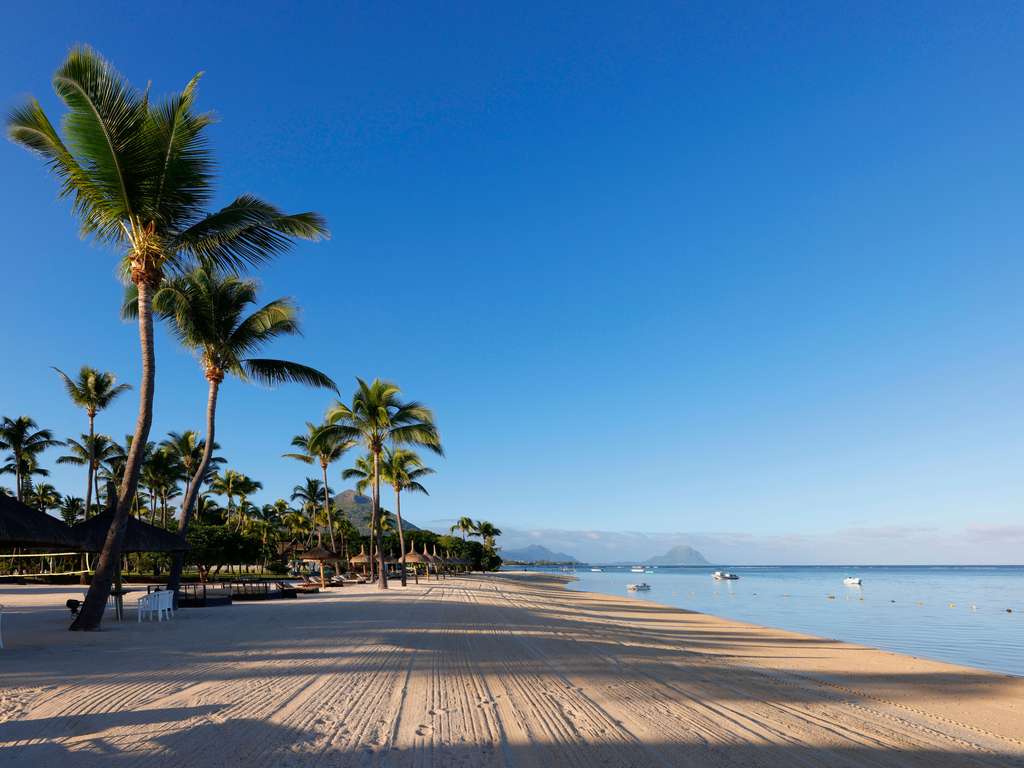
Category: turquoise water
[948,613]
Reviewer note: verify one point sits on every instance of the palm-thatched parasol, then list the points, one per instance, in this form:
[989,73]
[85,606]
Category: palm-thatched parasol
[319,555]
[138,536]
[22,526]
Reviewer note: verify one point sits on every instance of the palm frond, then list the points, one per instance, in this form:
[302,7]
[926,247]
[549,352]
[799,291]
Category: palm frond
[274,372]
[247,232]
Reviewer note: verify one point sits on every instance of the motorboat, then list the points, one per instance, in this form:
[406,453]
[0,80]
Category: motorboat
[724,576]
[852,581]
[643,586]
[597,570]
[638,569]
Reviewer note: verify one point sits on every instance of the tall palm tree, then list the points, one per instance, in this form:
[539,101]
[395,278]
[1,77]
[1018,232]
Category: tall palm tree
[140,176]
[211,314]
[465,526]
[93,391]
[322,445]
[377,417]
[23,438]
[403,469]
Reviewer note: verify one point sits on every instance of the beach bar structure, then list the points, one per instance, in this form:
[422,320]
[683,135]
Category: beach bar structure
[91,534]
[22,526]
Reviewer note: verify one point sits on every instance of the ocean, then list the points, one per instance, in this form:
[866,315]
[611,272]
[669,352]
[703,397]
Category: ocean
[957,614]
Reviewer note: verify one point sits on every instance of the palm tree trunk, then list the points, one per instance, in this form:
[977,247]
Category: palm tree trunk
[383,577]
[88,490]
[401,536]
[327,509]
[18,490]
[92,460]
[188,504]
[91,615]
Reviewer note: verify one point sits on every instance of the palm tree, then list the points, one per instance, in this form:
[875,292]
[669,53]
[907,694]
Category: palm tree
[72,509]
[362,473]
[321,444]
[487,532]
[23,438]
[140,176]
[92,391]
[465,525]
[207,312]
[188,448]
[402,469]
[44,497]
[91,452]
[376,418]
[310,495]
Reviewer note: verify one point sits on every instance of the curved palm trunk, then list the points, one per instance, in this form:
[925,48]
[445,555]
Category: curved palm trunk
[188,504]
[401,536]
[91,615]
[383,582]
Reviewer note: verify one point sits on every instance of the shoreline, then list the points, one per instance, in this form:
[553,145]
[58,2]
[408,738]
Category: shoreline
[509,669]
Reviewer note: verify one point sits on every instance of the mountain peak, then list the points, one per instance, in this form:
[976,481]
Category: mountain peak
[679,555]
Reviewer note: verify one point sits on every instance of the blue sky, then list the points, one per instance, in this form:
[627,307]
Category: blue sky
[693,271]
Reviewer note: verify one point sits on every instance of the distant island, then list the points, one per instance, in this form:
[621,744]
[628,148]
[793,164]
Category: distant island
[536,554]
[681,555]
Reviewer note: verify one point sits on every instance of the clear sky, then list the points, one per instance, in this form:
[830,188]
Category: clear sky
[720,273]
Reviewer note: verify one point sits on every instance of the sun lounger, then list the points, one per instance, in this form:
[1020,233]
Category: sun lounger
[287,591]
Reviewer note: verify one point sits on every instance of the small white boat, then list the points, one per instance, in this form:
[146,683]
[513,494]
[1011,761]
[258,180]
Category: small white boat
[852,581]
[724,576]
[643,586]
[638,569]
[597,570]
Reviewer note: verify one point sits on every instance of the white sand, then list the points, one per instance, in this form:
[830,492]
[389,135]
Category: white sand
[505,670]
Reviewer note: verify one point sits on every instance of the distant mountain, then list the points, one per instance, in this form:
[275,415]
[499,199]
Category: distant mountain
[535,553]
[358,509]
[681,555]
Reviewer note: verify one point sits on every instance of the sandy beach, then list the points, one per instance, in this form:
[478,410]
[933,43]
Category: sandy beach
[509,670]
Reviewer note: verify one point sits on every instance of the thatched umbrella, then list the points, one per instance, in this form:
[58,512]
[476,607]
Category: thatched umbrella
[362,558]
[319,555]
[138,536]
[22,526]
[431,561]
[414,557]
[442,563]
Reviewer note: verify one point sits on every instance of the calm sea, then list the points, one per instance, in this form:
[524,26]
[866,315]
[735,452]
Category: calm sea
[949,613]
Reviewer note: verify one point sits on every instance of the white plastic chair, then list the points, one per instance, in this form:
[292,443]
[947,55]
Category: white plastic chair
[159,604]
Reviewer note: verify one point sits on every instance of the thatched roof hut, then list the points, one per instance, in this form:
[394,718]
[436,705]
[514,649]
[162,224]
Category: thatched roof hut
[412,556]
[138,536]
[362,558]
[22,526]
[318,554]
